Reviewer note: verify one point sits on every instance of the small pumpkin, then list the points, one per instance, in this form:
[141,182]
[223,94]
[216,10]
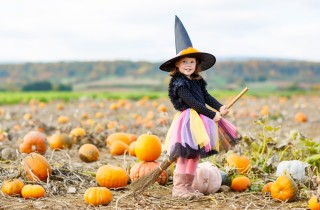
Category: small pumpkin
[313,203]
[143,168]
[240,183]
[148,147]
[132,147]
[97,196]
[60,141]
[284,188]
[12,187]
[266,189]
[110,176]
[33,191]
[242,163]
[300,117]
[118,147]
[207,178]
[118,136]
[63,120]
[132,137]
[36,167]
[34,141]
[76,134]
[89,153]
[226,180]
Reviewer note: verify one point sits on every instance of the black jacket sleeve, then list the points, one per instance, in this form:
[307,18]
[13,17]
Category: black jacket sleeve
[211,101]
[184,93]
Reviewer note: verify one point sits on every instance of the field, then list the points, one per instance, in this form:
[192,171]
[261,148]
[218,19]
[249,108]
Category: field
[271,130]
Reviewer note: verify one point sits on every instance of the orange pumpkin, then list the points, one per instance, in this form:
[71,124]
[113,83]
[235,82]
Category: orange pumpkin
[132,148]
[267,188]
[112,176]
[60,141]
[284,188]
[76,134]
[148,147]
[240,183]
[143,168]
[89,153]
[118,147]
[118,136]
[162,108]
[34,141]
[12,187]
[97,196]
[63,119]
[132,137]
[242,163]
[36,167]
[313,203]
[300,117]
[33,191]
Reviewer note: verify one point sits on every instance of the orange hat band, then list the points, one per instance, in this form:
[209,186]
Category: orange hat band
[189,50]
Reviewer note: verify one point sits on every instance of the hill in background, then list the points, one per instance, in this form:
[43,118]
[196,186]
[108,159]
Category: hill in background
[127,75]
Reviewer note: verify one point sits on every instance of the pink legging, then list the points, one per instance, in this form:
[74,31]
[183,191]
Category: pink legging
[187,166]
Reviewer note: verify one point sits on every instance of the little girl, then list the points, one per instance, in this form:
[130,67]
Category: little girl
[193,132]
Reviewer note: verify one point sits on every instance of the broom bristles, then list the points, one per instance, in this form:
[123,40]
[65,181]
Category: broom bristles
[146,181]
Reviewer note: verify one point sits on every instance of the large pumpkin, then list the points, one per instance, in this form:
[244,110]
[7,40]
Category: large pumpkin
[241,163]
[12,187]
[34,141]
[33,191]
[148,147]
[112,176]
[284,188]
[207,178]
[36,167]
[143,168]
[97,196]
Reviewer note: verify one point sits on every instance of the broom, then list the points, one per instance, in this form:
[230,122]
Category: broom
[144,182]
[227,132]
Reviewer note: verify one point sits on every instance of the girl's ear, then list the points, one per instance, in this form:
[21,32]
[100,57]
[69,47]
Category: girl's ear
[176,64]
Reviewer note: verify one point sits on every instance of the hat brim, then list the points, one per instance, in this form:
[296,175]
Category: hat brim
[206,61]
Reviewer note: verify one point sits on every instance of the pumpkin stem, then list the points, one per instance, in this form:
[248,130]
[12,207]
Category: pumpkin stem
[34,148]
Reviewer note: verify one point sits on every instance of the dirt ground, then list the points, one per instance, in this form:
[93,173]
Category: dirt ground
[71,177]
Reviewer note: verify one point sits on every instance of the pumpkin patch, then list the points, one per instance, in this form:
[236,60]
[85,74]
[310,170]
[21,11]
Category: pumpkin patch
[270,144]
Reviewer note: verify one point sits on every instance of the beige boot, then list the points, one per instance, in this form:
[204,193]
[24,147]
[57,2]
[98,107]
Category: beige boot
[179,187]
[189,181]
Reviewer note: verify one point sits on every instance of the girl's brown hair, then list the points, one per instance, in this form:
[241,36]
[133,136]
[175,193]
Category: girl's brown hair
[195,75]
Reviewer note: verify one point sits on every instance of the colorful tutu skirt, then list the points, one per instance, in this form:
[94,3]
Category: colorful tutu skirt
[192,135]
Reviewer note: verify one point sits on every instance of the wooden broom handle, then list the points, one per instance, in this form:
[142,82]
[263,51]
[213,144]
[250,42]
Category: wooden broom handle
[235,99]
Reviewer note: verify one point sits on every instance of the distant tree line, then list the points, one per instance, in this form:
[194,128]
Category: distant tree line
[45,86]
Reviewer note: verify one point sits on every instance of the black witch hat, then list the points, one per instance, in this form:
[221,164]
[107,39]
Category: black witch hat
[184,48]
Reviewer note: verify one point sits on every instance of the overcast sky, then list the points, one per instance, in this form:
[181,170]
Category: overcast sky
[77,30]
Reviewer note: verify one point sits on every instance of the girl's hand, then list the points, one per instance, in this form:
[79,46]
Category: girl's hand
[217,117]
[223,110]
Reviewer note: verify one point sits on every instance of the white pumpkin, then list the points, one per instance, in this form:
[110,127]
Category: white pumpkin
[296,168]
[207,178]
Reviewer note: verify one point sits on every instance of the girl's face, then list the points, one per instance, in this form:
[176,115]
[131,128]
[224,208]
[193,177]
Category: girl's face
[186,66]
